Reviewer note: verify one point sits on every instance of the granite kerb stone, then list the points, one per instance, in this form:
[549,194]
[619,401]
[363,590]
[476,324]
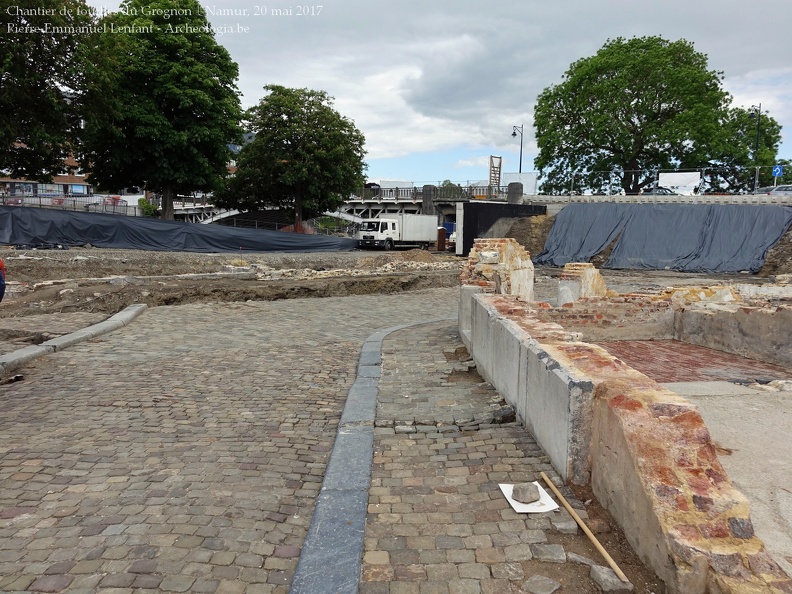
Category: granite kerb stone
[349,467]
[67,340]
[332,552]
[11,361]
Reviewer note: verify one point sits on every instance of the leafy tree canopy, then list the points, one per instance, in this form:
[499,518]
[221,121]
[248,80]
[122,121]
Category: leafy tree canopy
[305,156]
[637,106]
[733,162]
[162,104]
[41,65]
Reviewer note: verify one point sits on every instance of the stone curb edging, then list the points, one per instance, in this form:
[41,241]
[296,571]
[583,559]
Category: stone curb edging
[11,361]
[332,554]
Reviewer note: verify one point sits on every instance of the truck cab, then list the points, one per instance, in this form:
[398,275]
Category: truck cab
[382,233]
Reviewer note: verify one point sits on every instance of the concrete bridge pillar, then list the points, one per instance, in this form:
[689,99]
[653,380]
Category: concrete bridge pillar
[428,206]
[514,193]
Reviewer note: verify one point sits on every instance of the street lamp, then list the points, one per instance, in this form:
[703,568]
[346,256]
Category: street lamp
[756,112]
[519,129]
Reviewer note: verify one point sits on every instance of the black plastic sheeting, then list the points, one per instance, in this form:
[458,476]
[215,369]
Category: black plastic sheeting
[682,237]
[45,227]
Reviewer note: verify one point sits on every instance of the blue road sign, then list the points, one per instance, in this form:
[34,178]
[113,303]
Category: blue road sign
[778,170]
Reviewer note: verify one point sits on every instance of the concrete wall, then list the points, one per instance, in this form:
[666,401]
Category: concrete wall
[761,333]
[552,401]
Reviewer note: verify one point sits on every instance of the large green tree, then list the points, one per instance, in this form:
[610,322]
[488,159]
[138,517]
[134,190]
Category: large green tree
[42,60]
[162,105]
[638,105]
[305,157]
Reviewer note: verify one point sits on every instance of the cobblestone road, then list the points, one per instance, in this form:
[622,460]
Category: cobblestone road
[184,453]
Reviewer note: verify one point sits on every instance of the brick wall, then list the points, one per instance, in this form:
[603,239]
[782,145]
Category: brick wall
[631,316]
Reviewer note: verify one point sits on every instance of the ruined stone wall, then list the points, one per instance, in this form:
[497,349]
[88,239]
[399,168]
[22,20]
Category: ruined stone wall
[500,265]
[612,318]
[756,332]
[646,451]
[655,467]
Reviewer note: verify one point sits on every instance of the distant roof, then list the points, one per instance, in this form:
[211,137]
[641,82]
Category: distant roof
[247,138]
[394,184]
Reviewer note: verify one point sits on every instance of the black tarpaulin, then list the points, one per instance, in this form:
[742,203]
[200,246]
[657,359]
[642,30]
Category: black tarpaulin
[40,226]
[683,237]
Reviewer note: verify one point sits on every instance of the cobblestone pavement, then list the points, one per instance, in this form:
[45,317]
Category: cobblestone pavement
[185,452]
[437,521]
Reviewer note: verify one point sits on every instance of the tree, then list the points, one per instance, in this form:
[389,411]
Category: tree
[41,61]
[733,162]
[305,156]
[162,104]
[638,105]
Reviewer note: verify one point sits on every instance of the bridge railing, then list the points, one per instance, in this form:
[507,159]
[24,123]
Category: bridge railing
[453,192]
[111,204]
[665,199]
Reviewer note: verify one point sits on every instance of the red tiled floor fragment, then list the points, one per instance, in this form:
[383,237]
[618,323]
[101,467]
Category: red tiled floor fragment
[668,361]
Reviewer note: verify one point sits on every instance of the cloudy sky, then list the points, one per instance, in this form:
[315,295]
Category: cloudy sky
[436,86]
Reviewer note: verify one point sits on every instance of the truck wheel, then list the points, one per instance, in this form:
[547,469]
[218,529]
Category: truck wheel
[388,245]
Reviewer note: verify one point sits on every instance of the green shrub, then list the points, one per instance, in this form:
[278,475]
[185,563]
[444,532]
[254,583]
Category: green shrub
[147,208]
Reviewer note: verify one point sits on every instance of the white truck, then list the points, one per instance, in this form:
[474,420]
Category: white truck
[389,231]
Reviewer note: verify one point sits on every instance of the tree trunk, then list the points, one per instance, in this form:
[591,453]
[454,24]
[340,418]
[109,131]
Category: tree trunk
[167,203]
[298,214]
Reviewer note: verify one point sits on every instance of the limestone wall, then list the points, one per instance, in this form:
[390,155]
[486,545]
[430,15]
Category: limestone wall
[756,332]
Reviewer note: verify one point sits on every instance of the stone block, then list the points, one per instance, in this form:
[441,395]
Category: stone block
[525,493]
[580,280]
[607,580]
[539,584]
[490,257]
[551,553]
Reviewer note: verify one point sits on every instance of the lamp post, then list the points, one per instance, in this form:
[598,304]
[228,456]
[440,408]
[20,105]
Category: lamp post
[519,129]
[756,112]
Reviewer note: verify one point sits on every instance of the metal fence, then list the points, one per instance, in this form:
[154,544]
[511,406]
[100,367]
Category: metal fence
[416,193]
[716,179]
[116,205]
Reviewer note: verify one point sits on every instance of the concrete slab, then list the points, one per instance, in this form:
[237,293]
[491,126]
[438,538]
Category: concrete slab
[752,430]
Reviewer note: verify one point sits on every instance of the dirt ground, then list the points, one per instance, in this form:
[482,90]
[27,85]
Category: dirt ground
[95,280]
[102,280]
